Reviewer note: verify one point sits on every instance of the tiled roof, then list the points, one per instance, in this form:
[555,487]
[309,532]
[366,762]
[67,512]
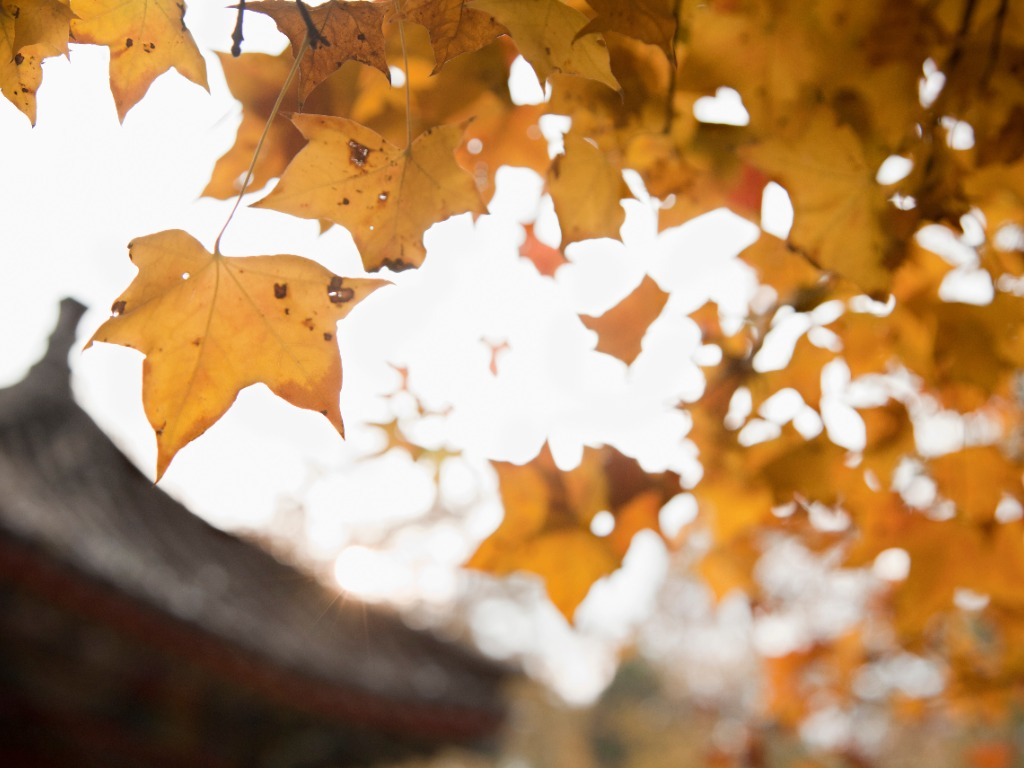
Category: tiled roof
[69,498]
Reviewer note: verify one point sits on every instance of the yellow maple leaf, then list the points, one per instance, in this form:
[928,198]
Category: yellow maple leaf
[348,31]
[30,31]
[454,27]
[548,513]
[838,208]
[210,326]
[21,73]
[385,196]
[545,31]
[145,38]
[586,189]
[41,22]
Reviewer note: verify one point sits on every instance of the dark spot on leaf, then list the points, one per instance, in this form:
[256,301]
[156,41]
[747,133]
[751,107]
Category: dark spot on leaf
[361,37]
[16,12]
[197,341]
[324,412]
[287,311]
[128,43]
[18,58]
[117,309]
[280,290]
[328,336]
[337,293]
[344,201]
[396,265]
[308,322]
[357,153]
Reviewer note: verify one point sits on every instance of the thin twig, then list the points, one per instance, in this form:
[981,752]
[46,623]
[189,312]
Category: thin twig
[259,146]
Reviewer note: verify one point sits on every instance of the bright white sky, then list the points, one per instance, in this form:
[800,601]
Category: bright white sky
[79,186]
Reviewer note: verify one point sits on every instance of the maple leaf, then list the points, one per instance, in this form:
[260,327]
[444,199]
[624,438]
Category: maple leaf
[651,21]
[210,326]
[349,30]
[586,190]
[839,209]
[975,479]
[545,31]
[548,513]
[40,22]
[30,31]
[454,27]
[621,329]
[255,79]
[385,196]
[21,72]
[145,38]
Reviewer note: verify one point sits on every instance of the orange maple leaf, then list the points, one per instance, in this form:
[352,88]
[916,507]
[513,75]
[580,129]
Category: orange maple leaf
[546,259]
[145,38]
[621,329]
[210,326]
[650,21]
[348,31]
[385,196]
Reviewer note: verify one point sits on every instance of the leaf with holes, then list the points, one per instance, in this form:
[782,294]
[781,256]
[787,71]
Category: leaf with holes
[210,326]
[385,196]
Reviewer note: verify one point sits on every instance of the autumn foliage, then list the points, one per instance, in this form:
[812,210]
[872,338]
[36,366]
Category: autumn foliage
[835,92]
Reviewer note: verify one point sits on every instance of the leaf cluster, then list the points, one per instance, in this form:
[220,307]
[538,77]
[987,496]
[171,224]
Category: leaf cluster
[834,93]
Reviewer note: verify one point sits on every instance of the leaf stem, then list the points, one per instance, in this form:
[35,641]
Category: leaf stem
[236,36]
[263,138]
[405,65]
[673,63]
